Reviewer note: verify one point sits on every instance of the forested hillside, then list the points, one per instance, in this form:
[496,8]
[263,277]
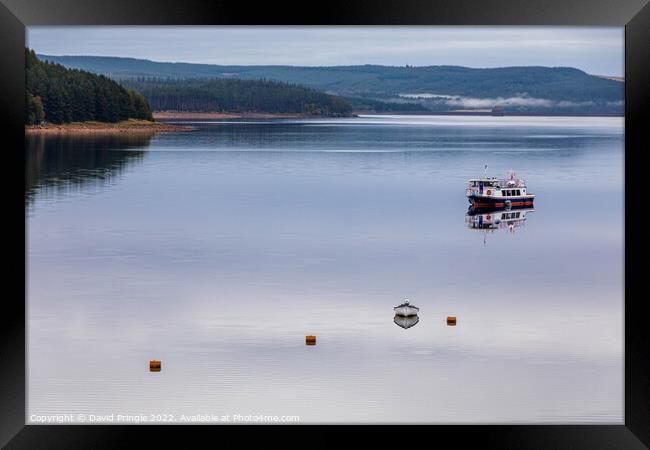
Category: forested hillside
[524,89]
[232,95]
[56,94]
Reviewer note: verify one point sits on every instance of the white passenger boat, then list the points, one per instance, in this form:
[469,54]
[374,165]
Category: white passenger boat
[493,192]
[406,309]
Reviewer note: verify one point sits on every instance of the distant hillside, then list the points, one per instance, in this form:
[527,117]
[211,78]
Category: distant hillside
[234,95]
[58,95]
[516,89]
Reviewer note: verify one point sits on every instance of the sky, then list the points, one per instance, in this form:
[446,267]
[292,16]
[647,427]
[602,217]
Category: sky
[596,50]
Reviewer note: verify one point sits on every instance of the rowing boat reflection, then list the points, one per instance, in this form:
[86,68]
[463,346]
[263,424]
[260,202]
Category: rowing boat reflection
[406,321]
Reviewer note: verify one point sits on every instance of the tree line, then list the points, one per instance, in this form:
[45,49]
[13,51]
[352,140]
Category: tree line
[236,95]
[56,94]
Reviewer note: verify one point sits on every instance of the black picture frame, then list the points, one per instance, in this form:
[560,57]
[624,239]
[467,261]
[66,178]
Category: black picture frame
[16,14]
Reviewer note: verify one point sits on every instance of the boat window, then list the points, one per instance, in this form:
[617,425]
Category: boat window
[518,192]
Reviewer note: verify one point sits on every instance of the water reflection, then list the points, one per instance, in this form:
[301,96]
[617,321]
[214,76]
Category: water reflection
[406,321]
[490,220]
[198,254]
[63,163]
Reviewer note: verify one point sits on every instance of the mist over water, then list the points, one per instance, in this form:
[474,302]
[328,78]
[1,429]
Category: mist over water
[217,251]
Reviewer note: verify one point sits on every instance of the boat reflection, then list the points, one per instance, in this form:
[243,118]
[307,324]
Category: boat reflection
[495,219]
[406,321]
[488,221]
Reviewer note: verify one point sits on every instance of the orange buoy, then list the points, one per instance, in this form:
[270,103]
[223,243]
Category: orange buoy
[154,365]
[451,320]
[310,340]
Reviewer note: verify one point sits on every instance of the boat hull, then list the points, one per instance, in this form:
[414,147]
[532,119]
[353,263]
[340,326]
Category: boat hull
[406,321]
[479,201]
[406,311]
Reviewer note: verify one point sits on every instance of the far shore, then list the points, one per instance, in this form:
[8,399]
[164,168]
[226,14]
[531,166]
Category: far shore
[140,127]
[188,115]
[474,112]
[128,127]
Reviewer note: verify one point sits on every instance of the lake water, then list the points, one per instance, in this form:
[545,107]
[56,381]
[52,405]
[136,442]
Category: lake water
[217,251]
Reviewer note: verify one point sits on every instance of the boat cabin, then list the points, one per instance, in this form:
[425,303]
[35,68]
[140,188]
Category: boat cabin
[496,188]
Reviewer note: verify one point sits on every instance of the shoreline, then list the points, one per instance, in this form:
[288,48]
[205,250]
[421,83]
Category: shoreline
[184,115]
[128,126]
[480,113]
[188,115]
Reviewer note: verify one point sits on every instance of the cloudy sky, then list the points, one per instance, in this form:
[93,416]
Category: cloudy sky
[595,50]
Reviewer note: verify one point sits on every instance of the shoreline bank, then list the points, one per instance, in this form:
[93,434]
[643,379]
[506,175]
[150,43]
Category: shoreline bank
[480,113]
[128,126]
[188,115]
[180,115]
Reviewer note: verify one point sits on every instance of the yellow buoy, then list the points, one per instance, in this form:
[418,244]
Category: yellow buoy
[154,365]
[310,340]
[451,320]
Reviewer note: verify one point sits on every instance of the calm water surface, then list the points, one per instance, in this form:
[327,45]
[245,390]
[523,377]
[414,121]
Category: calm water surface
[218,250]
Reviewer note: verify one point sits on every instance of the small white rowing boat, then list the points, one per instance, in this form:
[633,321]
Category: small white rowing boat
[406,309]
[406,322]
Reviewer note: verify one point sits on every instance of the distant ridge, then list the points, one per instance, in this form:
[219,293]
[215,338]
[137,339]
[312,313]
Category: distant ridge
[515,89]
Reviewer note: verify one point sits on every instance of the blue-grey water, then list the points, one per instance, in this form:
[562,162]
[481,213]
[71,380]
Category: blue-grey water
[217,251]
